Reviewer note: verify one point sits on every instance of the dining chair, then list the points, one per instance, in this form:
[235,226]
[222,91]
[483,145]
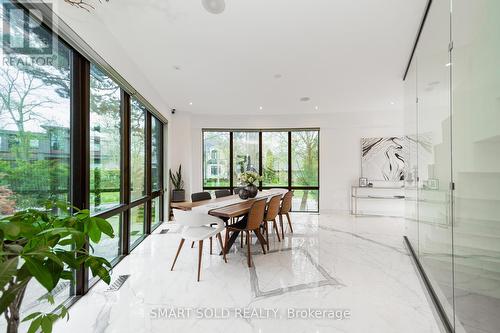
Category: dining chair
[222,193]
[286,207]
[273,208]
[200,196]
[249,223]
[196,227]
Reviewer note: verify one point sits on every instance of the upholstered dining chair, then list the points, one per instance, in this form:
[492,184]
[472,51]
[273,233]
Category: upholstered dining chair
[249,223]
[286,207]
[273,208]
[222,193]
[200,196]
[196,227]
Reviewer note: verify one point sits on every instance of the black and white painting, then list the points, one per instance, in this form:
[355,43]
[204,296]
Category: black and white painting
[384,158]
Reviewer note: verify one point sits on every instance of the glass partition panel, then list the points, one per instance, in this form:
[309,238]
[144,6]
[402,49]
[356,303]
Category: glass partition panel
[305,158]
[216,159]
[137,150]
[155,211]
[105,142]
[275,158]
[137,222]
[476,163]
[245,153]
[434,154]
[155,154]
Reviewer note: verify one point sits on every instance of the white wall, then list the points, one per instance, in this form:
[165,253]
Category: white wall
[340,134]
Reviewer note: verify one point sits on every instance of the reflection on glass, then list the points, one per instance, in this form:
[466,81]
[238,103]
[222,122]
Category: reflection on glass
[155,211]
[35,112]
[109,248]
[155,153]
[137,150]
[305,158]
[105,139]
[215,159]
[476,163]
[275,158]
[245,153]
[137,219]
[305,200]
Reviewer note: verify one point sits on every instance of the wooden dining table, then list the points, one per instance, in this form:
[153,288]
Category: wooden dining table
[229,212]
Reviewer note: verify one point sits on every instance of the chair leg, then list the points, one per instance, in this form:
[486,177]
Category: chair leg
[289,222]
[177,254]
[242,240]
[224,248]
[192,244]
[248,250]
[266,229]
[275,226]
[200,253]
[210,245]
[219,237]
[282,228]
[260,239]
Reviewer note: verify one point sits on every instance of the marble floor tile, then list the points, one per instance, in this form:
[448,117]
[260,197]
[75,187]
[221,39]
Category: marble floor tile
[336,273]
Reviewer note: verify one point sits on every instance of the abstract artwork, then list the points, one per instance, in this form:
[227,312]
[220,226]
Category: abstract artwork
[384,158]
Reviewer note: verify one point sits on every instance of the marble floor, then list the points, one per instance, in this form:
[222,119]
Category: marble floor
[336,273]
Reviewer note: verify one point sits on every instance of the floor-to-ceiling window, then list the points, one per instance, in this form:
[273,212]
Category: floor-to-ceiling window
[70,131]
[285,158]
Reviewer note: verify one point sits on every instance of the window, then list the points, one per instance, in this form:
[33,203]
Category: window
[285,158]
[155,211]
[109,248]
[105,142]
[275,158]
[137,150]
[137,219]
[245,153]
[216,165]
[156,128]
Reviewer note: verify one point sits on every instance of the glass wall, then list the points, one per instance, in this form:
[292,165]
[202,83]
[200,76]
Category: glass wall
[137,150]
[285,158]
[454,232]
[137,224]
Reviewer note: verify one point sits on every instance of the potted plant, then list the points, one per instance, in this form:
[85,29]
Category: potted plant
[178,193]
[249,178]
[47,246]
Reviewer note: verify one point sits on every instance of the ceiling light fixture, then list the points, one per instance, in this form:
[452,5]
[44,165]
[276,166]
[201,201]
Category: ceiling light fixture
[392,103]
[261,108]
[214,6]
[316,107]
[448,64]
[190,103]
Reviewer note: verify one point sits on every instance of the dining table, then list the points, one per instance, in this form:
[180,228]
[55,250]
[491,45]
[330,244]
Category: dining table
[228,208]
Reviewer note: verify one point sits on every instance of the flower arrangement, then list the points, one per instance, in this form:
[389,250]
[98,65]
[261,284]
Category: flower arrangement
[249,177]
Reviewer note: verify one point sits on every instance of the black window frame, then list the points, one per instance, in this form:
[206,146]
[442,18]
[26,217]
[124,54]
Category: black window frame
[289,186]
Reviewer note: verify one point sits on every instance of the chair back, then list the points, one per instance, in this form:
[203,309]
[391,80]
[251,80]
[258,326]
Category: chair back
[222,193]
[192,218]
[256,214]
[286,203]
[200,196]
[273,207]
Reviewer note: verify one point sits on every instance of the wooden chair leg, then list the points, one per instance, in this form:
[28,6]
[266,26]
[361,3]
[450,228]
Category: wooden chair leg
[266,229]
[219,237]
[248,250]
[177,254]
[200,253]
[242,240]
[282,228]
[275,226]
[289,222]
[192,244]
[224,248]
[260,239]
[210,245]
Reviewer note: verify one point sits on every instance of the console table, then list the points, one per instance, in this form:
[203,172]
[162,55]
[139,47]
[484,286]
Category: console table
[382,194]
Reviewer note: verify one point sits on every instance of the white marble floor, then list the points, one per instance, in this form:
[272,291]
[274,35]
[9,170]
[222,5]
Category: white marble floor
[356,271]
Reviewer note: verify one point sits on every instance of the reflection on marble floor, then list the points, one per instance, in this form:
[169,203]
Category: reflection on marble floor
[358,267]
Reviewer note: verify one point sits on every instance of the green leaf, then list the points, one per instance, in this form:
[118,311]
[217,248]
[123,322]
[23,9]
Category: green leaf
[67,241]
[94,231]
[104,226]
[10,294]
[47,323]
[35,325]
[40,272]
[11,229]
[8,269]
[55,271]
[32,316]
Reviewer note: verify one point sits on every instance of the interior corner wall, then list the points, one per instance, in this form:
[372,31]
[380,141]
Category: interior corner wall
[340,147]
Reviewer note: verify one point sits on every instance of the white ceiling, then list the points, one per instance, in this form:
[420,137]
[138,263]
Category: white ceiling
[346,55]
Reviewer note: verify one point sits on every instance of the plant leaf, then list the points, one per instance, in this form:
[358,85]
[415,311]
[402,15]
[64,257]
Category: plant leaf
[104,226]
[35,325]
[47,323]
[10,294]
[94,231]
[8,269]
[40,272]
[32,316]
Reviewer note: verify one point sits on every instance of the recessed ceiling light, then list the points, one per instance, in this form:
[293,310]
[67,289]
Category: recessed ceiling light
[214,6]
[305,99]
[392,103]
[316,107]
[190,103]
[261,108]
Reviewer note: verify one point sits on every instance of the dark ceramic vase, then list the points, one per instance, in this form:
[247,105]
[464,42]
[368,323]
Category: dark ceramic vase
[252,190]
[243,193]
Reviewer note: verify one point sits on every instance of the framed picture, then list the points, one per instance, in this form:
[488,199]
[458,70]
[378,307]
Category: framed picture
[363,182]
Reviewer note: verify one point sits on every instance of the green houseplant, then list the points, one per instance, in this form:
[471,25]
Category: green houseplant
[249,178]
[46,245]
[178,193]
